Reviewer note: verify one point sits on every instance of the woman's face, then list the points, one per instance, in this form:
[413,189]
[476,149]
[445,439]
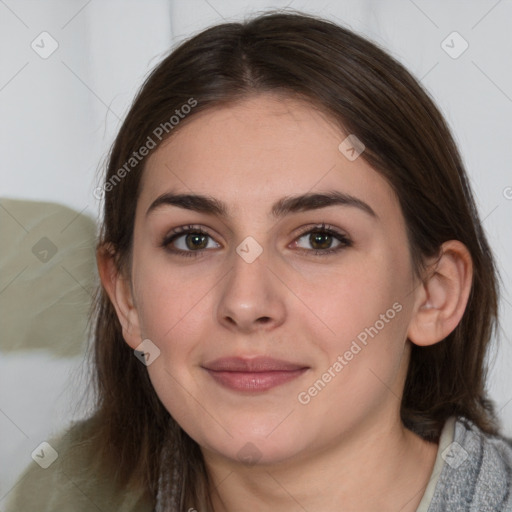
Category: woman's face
[329,309]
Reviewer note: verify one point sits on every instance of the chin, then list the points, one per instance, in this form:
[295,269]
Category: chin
[253,450]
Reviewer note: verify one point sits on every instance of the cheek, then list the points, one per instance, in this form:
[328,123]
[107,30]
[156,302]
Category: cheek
[364,316]
[361,364]
[346,302]
[168,297]
[173,313]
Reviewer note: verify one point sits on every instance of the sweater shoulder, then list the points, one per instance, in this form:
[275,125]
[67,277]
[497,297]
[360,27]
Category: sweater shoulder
[477,472]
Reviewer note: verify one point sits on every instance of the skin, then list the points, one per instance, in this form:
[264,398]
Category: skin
[347,445]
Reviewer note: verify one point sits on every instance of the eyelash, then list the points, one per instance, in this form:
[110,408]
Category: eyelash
[323,228]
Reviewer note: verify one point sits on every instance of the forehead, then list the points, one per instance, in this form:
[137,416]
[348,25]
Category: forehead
[254,152]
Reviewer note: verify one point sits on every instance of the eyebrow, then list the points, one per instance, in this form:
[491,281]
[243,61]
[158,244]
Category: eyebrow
[282,207]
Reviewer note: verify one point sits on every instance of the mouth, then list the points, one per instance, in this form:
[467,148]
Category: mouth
[253,374]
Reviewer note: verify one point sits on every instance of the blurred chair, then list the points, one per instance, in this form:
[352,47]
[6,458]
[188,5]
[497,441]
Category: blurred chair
[47,280]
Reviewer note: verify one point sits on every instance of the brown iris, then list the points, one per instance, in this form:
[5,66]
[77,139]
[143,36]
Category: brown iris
[196,241]
[324,240]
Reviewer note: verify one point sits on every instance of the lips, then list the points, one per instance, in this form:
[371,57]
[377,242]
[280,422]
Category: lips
[256,364]
[253,374]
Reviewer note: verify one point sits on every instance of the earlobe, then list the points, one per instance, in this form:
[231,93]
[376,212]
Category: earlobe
[443,295]
[119,291]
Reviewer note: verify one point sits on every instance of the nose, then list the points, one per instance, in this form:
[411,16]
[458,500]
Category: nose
[252,297]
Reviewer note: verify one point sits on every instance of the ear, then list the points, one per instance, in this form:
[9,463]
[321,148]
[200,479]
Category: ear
[442,297]
[119,291]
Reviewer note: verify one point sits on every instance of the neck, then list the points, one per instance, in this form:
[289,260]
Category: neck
[379,466]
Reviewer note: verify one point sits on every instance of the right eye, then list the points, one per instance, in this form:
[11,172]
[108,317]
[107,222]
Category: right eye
[187,241]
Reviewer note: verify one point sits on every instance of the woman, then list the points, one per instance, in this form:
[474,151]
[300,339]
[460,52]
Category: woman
[297,294]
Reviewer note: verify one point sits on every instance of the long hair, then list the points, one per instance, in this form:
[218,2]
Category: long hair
[365,92]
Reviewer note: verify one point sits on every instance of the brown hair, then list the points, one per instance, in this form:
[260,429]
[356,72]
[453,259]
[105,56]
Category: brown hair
[369,94]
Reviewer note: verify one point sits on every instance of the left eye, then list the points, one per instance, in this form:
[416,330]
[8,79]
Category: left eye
[321,240]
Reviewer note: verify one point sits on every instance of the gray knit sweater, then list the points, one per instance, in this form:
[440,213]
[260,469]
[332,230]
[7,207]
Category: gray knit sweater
[475,473]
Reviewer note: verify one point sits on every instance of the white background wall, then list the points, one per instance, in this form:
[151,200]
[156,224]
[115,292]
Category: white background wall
[58,117]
